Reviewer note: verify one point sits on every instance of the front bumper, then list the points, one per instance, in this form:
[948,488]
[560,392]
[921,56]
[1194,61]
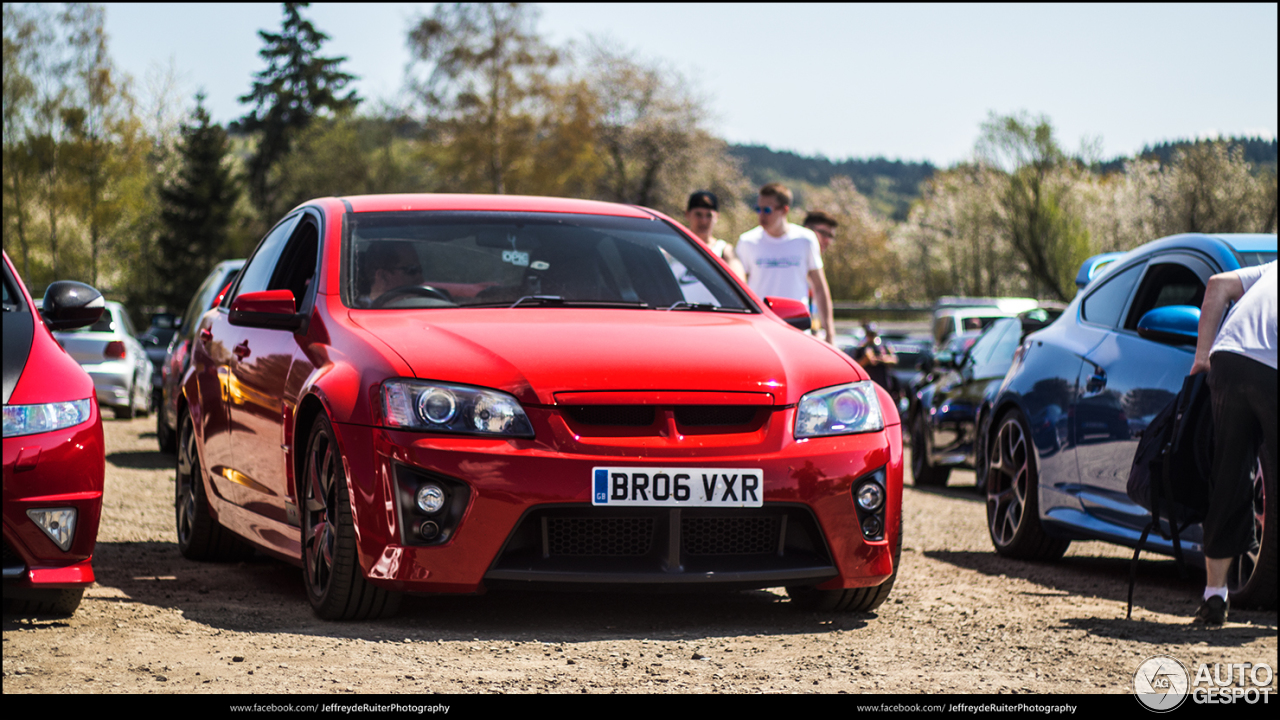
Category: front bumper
[806,533]
[60,469]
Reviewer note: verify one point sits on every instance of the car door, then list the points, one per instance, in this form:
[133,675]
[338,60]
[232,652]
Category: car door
[1125,380]
[263,383]
[213,361]
[954,405]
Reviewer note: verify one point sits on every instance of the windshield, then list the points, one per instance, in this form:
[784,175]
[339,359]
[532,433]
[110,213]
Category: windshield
[473,259]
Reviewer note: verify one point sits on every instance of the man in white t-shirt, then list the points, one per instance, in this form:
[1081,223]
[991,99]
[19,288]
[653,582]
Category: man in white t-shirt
[1240,357]
[785,260]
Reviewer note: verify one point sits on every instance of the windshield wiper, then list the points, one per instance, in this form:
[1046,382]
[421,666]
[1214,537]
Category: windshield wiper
[703,307]
[558,301]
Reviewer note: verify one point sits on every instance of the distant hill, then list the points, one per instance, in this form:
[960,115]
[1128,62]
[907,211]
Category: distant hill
[1258,152]
[890,184]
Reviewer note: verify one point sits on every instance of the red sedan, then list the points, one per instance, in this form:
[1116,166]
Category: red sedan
[53,452]
[446,394]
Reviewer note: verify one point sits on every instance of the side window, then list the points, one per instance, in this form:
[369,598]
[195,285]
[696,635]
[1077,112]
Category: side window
[1167,283]
[257,274]
[1104,305]
[998,346]
[297,265]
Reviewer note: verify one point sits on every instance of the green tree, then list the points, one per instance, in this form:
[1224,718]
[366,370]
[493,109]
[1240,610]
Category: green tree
[1211,188]
[20,98]
[297,86]
[196,207]
[481,72]
[1051,240]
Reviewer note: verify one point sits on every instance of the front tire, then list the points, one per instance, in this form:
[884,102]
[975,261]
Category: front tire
[46,603]
[857,600]
[336,585]
[1013,495]
[1251,581]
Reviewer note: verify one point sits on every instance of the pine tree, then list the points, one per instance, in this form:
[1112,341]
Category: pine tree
[297,85]
[196,208]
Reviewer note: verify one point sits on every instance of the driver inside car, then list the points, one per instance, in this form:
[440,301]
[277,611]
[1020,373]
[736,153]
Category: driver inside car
[388,264]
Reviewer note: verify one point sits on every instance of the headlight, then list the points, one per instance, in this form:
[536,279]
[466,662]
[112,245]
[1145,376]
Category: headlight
[418,405]
[840,410]
[32,419]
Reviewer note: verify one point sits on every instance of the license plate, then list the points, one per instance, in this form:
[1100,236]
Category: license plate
[677,487]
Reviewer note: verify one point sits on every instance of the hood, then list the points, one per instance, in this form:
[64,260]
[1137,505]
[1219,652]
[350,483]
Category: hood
[535,353]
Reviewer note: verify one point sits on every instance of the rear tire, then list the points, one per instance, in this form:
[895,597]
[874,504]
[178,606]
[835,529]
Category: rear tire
[200,537]
[1013,495]
[1251,582]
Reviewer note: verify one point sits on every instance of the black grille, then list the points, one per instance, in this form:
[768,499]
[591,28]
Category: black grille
[607,537]
[715,414]
[729,535]
[627,415]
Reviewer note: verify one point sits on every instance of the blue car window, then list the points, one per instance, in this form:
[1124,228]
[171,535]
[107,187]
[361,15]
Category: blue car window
[1104,305]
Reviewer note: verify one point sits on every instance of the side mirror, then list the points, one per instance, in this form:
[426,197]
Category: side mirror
[793,312]
[1171,325]
[944,359]
[69,305]
[272,309]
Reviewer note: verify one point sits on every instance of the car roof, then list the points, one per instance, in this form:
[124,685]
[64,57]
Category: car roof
[1221,247]
[492,203]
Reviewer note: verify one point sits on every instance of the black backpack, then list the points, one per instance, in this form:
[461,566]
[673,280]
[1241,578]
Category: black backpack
[1170,473]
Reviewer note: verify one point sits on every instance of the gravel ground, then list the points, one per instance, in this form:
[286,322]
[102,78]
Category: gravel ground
[960,620]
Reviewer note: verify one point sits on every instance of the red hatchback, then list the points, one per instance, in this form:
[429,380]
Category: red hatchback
[445,394]
[53,452]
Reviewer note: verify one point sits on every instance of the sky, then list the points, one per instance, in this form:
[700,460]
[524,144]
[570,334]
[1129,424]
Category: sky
[905,82]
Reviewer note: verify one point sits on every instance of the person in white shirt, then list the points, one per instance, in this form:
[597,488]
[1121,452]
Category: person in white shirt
[785,260]
[700,216]
[1240,357]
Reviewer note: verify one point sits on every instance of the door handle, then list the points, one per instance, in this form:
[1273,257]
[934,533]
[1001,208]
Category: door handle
[242,350]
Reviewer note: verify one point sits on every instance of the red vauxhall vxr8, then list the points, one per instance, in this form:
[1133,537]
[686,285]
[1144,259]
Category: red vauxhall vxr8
[451,393]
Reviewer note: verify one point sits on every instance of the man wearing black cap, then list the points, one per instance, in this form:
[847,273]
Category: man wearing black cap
[700,216]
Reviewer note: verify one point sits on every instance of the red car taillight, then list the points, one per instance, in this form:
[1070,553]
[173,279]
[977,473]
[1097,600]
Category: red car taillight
[114,350]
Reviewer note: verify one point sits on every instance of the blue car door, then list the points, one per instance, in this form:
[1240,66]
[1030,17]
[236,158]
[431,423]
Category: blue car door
[1124,381]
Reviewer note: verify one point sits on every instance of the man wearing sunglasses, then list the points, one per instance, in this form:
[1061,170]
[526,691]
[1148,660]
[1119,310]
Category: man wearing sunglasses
[785,260]
[388,264]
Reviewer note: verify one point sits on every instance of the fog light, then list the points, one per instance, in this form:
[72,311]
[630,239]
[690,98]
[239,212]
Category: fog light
[872,527]
[870,496]
[58,523]
[430,498]
[428,530]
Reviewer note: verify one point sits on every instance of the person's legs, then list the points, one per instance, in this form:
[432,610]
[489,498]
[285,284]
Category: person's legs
[1244,413]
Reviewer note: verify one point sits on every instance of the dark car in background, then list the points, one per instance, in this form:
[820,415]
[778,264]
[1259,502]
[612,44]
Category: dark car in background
[155,342]
[1066,420]
[948,409]
[178,355]
[54,463]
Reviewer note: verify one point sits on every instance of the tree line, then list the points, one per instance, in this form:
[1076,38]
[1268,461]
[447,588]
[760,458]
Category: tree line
[138,191]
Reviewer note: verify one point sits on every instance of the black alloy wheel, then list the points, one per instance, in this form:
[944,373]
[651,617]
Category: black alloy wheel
[1251,580]
[200,537]
[1013,495]
[336,585]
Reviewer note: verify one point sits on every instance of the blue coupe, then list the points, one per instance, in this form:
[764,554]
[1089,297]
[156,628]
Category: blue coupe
[1066,420]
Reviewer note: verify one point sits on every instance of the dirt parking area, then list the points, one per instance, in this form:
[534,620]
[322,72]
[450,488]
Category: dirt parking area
[960,620]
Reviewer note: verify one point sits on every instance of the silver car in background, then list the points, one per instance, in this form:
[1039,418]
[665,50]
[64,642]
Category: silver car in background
[109,351]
